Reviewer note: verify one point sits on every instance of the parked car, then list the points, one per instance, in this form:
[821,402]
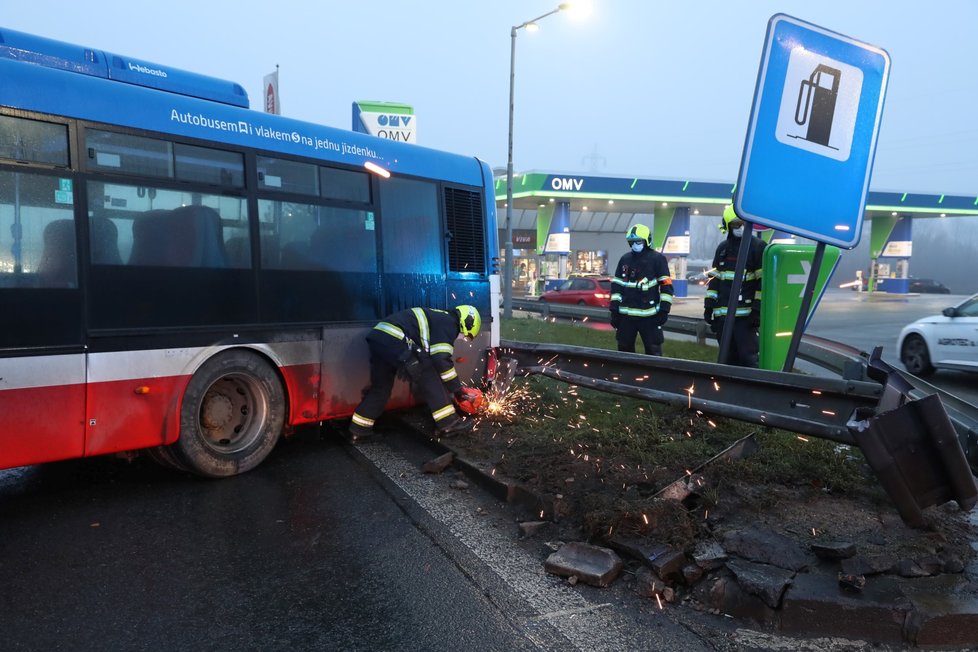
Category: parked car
[700,278]
[945,341]
[582,290]
[928,285]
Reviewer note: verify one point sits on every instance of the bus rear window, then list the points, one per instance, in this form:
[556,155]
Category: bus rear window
[32,141]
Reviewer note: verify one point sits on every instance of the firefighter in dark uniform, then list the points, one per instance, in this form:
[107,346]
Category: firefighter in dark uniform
[641,294]
[744,346]
[417,344]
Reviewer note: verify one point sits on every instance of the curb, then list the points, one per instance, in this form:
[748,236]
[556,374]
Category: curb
[937,612]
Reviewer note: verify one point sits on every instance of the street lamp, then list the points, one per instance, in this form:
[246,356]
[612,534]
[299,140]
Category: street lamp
[530,25]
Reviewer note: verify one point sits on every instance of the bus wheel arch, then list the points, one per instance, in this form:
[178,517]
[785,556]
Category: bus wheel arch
[232,414]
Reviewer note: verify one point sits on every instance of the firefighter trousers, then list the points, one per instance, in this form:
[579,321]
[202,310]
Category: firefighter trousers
[744,343]
[386,359]
[649,328]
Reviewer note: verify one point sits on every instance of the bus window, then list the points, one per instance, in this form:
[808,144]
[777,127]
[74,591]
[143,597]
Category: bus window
[310,237]
[410,226]
[129,154]
[37,232]
[346,185]
[167,228]
[209,165]
[287,176]
[33,141]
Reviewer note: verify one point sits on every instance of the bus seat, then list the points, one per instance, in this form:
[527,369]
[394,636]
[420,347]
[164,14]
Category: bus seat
[57,266]
[238,250]
[155,241]
[207,243]
[295,255]
[189,236]
[105,241]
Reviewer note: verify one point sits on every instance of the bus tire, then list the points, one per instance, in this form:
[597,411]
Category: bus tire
[164,456]
[232,415]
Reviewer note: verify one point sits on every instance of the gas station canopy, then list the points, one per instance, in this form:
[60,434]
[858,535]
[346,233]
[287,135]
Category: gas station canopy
[608,204]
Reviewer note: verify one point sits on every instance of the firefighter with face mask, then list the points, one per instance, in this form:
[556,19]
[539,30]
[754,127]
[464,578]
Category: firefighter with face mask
[417,345]
[744,341]
[641,293]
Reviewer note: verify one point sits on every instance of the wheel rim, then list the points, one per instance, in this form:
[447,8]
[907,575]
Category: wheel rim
[915,355]
[233,413]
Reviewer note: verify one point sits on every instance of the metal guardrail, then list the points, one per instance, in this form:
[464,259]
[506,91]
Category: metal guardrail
[842,360]
[811,405]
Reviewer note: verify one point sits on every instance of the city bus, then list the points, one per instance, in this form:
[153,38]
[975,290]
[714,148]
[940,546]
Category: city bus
[185,276]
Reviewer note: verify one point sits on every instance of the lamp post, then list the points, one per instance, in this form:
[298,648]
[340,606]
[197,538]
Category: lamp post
[508,268]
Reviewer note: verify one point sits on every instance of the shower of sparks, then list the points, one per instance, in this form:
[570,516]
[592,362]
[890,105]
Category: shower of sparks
[506,406]
[800,438]
[659,600]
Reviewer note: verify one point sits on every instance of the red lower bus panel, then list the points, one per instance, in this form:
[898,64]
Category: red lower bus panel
[41,424]
[133,413]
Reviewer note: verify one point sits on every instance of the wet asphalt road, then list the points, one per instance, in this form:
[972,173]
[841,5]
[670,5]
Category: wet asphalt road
[323,547]
[308,552]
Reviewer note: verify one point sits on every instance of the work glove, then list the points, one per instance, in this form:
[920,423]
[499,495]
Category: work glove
[755,320]
[708,315]
[615,319]
[470,400]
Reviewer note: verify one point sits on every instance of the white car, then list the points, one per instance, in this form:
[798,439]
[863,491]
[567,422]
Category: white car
[945,341]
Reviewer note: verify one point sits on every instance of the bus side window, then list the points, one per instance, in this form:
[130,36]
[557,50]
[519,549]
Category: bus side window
[37,233]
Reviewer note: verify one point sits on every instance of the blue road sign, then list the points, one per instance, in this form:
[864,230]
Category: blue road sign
[812,135]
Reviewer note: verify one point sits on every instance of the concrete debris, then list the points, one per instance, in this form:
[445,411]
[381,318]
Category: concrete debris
[592,565]
[767,547]
[438,464]
[666,561]
[853,583]
[833,550]
[459,484]
[648,584]
[766,582]
[709,555]
[868,564]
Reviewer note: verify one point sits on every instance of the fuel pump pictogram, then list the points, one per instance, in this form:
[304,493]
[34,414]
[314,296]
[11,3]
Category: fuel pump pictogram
[819,93]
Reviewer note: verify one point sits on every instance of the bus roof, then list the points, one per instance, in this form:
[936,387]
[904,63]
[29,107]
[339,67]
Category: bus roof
[87,61]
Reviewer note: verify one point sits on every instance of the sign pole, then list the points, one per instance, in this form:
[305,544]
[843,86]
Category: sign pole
[806,304]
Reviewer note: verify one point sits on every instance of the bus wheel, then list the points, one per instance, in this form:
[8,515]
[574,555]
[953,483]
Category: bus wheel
[232,415]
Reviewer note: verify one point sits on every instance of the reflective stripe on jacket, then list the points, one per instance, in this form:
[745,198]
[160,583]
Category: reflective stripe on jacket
[431,331]
[642,285]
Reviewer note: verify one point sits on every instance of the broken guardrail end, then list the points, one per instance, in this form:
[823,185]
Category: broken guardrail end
[915,453]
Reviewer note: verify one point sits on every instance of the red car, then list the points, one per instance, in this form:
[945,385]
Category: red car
[582,290]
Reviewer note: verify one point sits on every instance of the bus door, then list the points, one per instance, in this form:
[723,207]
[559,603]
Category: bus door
[42,359]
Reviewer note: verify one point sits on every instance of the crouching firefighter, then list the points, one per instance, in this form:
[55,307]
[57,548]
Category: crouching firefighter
[417,345]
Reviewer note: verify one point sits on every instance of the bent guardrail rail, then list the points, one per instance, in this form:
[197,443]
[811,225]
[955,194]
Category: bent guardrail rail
[840,359]
[923,453]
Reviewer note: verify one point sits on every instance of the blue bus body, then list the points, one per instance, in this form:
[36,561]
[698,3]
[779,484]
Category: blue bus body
[164,204]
